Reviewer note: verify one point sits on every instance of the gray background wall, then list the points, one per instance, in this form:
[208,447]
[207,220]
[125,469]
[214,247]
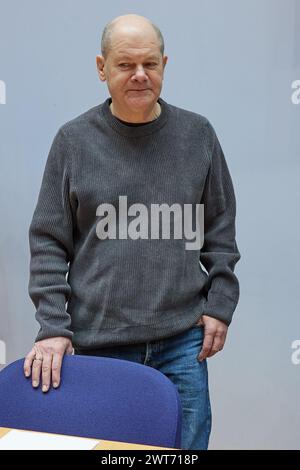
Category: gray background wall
[232,61]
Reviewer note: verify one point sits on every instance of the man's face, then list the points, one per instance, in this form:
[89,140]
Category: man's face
[133,70]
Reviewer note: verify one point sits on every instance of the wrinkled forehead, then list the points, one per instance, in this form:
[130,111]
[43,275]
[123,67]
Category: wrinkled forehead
[136,54]
[135,43]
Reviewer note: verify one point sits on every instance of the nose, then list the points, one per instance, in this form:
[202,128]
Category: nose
[140,75]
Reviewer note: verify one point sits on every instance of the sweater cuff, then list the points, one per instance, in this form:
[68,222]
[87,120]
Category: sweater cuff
[46,333]
[220,306]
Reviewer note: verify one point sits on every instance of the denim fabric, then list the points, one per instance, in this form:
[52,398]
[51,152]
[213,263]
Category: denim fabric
[177,358]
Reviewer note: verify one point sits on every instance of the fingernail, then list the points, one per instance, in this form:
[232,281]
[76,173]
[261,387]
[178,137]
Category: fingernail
[27,374]
[35,384]
[55,385]
[45,388]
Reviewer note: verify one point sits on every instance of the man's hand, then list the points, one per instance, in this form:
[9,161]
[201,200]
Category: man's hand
[46,356]
[215,332]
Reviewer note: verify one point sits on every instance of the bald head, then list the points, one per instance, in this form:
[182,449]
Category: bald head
[127,24]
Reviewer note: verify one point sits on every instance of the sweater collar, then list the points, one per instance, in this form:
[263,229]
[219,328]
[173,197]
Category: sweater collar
[135,131]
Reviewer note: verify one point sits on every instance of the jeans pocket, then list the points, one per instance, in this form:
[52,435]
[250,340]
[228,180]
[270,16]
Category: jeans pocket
[198,327]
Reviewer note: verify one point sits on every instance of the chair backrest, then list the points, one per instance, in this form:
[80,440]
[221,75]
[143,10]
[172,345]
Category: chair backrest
[99,397]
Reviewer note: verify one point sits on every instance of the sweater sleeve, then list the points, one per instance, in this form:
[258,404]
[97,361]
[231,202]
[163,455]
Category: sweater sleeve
[51,244]
[219,252]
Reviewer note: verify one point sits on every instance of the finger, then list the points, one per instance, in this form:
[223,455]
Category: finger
[207,345]
[56,369]
[28,362]
[36,371]
[46,371]
[217,345]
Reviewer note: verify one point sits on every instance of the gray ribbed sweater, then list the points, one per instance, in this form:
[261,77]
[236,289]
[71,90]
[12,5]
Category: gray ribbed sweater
[123,289]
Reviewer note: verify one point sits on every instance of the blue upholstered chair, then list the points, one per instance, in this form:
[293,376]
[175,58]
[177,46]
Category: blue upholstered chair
[99,397]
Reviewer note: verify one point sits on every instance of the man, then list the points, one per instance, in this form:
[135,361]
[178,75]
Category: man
[133,294]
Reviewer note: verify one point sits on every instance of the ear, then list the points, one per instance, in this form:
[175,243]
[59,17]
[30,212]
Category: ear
[100,62]
[165,60]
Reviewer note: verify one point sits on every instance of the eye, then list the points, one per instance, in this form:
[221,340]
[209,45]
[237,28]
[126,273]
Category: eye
[123,65]
[151,64]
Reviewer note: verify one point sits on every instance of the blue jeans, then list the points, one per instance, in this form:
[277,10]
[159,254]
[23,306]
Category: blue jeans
[176,357]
